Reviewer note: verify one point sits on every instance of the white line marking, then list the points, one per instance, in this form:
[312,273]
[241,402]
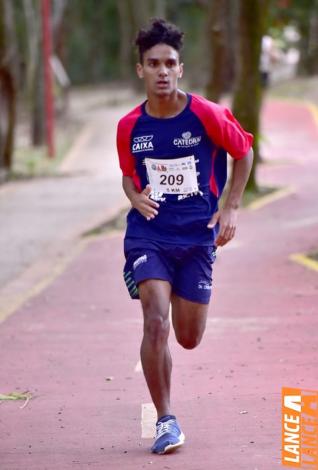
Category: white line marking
[148,420]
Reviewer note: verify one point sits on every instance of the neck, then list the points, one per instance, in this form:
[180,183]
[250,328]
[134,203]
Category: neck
[166,106]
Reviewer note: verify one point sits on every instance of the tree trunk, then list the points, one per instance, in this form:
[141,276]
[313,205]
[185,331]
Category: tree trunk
[34,72]
[37,106]
[160,8]
[302,69]
[248,94]
[7,89]
[231,36]
[217,40]
[7,117]
[313,41]
[125,37]
[58,11]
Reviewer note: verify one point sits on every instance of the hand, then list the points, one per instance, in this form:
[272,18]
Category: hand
[144,205]
[227,219]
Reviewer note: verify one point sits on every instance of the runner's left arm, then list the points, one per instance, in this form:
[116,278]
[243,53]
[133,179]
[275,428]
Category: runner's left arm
[227,216]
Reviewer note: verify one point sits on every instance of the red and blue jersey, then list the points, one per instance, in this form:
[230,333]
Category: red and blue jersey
[205,130]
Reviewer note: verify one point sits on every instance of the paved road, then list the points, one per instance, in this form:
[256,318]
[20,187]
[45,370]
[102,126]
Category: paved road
[43,217]
[75,346]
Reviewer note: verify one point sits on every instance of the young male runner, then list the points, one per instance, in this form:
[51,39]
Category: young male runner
[172,150]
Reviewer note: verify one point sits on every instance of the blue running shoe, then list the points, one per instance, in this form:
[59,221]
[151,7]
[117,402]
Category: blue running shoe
[168,435]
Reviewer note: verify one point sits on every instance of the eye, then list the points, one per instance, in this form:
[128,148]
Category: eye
[171,63]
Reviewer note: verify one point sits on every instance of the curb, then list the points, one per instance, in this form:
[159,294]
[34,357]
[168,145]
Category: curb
[304,260]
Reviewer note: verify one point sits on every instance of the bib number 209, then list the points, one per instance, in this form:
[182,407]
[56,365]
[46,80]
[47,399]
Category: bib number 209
[172,175]
[171,179]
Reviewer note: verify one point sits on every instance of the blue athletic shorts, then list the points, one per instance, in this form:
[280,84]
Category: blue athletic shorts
[187,268]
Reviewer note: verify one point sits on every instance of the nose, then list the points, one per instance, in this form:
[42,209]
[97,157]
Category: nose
[163,71]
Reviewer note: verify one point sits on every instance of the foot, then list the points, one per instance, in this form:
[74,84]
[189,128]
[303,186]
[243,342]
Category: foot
[168,435]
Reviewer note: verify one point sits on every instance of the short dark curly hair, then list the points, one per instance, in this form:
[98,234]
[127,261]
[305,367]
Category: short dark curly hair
[158,32]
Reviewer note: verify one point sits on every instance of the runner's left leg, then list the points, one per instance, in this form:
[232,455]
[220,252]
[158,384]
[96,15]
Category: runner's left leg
[189,320]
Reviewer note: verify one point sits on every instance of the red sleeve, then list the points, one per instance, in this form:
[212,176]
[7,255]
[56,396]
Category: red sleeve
[124,131]
[222,127]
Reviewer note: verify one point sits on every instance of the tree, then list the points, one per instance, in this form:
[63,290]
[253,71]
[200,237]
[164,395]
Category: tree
[34,71]
[7,85]
[220,19]
[306,16]
[313,44]
[125,35]
[216,30]
[252,17]
[92,38]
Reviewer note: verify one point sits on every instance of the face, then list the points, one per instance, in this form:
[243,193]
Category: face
[160,70]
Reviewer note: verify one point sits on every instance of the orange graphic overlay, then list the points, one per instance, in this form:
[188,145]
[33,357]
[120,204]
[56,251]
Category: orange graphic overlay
[299,428]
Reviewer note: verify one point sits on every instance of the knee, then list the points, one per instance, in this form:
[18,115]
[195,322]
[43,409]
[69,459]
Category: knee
[189,341]
[156,330]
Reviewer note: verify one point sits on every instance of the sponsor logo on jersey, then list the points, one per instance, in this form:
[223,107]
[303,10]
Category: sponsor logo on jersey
[141,143]
[186,140]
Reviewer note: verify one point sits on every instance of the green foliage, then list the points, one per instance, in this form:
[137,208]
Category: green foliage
[92,40]
[91,33]
[290,11]
[191,19]
[92,43]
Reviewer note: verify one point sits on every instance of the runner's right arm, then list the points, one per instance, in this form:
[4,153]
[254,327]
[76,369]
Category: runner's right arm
[140,201]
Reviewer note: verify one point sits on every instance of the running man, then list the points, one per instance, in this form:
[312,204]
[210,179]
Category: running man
[172,151]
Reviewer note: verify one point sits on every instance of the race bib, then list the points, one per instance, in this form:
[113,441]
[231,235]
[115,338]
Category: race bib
[172,176]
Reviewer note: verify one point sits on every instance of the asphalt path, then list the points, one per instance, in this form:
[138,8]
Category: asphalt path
[75,345]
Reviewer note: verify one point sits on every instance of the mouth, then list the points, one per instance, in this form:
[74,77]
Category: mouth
[162,83]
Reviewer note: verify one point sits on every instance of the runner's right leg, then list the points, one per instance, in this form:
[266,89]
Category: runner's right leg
[155,355]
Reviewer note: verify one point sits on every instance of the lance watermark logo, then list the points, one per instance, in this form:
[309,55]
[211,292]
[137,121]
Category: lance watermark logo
[143,142]
[186,140]
[299,428]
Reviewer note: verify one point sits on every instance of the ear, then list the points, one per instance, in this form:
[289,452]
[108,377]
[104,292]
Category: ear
[140,70]
[181,70]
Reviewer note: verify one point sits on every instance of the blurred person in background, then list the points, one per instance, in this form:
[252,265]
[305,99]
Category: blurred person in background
[269,56]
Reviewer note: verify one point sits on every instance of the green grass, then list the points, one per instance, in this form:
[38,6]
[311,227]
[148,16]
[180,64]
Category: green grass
[34,162]
[116,223]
